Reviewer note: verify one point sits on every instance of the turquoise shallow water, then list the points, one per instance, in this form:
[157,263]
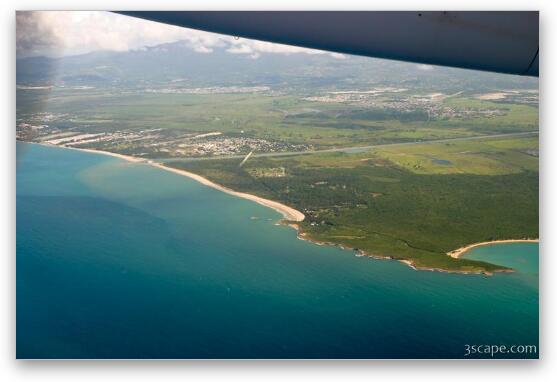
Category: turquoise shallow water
[522,257]
[122,260]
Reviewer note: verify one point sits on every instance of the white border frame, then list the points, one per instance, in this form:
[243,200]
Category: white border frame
[60,371]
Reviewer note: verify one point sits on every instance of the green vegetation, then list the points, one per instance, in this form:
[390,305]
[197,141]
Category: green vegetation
[405,198]
[290,122]
[513,118]
[486,157]
[396,202]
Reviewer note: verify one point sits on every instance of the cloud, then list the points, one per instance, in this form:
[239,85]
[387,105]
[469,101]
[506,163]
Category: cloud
[240,49]
[34,34]
[425,67]
[251,47]
[57,33]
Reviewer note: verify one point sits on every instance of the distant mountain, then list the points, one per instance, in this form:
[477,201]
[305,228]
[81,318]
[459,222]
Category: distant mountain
[176,63]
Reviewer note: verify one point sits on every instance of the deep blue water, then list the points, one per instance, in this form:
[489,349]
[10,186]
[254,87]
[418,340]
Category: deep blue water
[122,260]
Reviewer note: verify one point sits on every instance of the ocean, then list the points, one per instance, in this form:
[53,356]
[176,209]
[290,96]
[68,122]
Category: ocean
[123,260]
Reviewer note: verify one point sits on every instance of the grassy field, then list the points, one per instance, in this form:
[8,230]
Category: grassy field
[486,157]
[515,118]
[274,117]
[413,202]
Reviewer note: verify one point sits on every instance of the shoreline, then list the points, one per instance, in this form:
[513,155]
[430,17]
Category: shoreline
[287,212]
[128,158]
[485,273]
[457,253]
[409,263]
[293,216]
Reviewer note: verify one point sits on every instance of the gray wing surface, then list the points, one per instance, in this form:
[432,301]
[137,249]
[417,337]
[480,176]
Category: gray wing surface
[504,42]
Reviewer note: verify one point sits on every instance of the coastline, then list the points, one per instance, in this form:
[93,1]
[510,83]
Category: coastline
[287,212]
[485,273]
[128,158]
[293,216]
[409,263]
[457,253]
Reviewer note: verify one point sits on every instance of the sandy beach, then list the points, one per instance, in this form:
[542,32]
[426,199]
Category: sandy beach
[409,263]
[460,251]
[121,156]
[289,213]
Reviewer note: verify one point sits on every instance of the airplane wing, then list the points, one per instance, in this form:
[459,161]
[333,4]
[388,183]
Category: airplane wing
[500,41]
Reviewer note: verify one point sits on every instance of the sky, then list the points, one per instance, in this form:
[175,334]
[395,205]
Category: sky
[65,33]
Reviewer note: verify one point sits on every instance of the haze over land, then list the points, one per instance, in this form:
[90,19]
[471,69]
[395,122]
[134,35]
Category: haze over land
[412,201]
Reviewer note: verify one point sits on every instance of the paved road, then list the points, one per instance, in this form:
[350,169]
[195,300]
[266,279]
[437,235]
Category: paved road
[352,150]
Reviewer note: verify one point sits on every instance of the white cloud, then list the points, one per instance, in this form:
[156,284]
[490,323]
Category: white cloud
[425,67]
[55,33]
[240,49]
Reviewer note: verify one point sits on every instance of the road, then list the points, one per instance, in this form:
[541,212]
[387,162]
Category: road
[351,150]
